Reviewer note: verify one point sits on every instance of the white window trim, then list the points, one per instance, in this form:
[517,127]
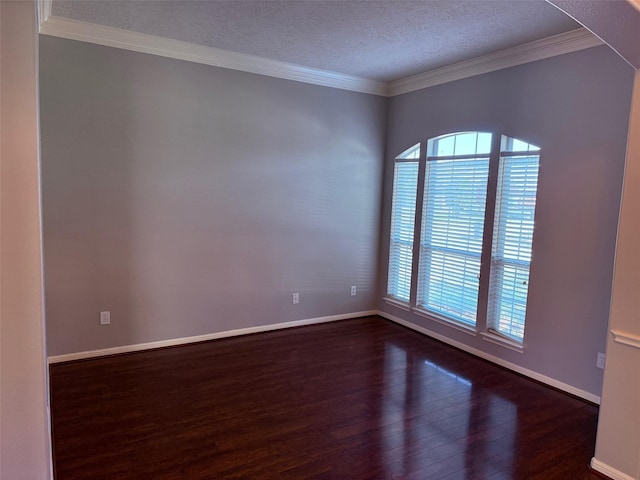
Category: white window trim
[449,322]
[497,339]
[397,303]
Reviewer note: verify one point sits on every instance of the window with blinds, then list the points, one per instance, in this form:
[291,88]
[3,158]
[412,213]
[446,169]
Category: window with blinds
[454,200]
[403,213]
[457,185]
[512,237]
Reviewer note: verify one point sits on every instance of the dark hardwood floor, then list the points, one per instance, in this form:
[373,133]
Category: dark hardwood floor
[356,399]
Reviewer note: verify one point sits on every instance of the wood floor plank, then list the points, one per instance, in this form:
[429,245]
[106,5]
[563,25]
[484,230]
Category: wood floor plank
[356,399]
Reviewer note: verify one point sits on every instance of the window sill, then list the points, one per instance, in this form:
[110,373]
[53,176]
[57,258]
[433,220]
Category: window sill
[468,329]
[397,303]
[502,341]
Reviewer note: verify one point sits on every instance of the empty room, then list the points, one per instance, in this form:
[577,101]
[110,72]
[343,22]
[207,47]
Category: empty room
[319,239]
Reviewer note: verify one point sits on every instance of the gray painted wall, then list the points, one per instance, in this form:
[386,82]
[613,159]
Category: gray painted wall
[190,200]
[575,107]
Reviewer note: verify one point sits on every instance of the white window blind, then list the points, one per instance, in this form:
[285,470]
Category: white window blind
[452,225]
[513,237]
[403,213]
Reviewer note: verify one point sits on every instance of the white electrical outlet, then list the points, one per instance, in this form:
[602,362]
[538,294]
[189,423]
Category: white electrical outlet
[353,290]
[105,318]
[600,361]
[296,298]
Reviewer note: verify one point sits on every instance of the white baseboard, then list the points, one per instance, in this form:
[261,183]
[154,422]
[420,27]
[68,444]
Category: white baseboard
[499,361]
[331,318]
[201,338]
[610,472]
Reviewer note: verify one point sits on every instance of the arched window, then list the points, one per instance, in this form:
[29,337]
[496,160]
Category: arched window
[450,232]
[403,205]
[512,237]
[453,215]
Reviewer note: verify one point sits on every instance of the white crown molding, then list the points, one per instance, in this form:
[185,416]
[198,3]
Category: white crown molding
[138,347]
[568,42]
[498,361]
[139,42]
[609,471]
[44,10]
[165,47]
[626,338]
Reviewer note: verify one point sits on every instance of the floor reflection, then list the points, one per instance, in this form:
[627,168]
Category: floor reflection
[439,422]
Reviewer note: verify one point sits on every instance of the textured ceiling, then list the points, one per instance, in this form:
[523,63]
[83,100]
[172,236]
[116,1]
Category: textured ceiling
[376,39]
[617,22]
